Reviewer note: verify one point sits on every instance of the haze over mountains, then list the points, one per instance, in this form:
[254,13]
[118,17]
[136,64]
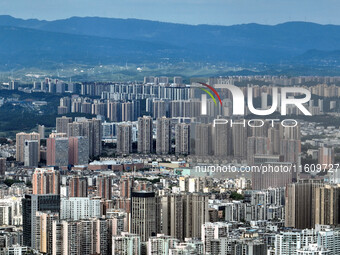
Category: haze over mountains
[34,43]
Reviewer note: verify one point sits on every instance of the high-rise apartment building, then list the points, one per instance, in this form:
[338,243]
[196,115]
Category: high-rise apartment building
[44,220]
[78,186]
[222,140]
[62,123]
[57,151]
[145,136]
[172,207]
[327,204]
[46,181]
[161,244]
[104,187]
[126,243]
[158,109]
[182,139]
[41,131]
[163,140]
[31,151]
[114,111]
[78,150]
[127,111]
[30,205]
[144,214]
[90,128]
[195,214]
[124,138]
[20,144]
[326,156]
[240,134]
[301,203]
[78,208]
[203,139]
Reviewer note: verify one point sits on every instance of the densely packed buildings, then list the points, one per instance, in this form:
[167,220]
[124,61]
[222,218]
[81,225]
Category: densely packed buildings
[150,174]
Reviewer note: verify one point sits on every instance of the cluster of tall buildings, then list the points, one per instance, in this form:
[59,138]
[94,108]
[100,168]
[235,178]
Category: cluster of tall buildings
[110,207]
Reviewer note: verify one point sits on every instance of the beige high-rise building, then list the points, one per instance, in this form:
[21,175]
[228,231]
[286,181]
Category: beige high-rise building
[326,156]
[44,220]
[46,181]
[61,124]
[124,138]
[301,203]
[127,111]
[327,204]
[163,137]
[182,139]
[195,214]
[172,207]
[145,138]
[20,144]
[41,131]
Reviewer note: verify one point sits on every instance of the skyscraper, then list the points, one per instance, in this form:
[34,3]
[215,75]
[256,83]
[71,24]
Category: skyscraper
[104,187]
[327,204]
[30,205]
[41,131]
[20,144]
[61,124]
[203,140]
[182,139]
[46,181]
[57,152]
[172,207]
[78,150]
[195,214]
[301,203]
[222,140]
[124,138]
[159,109]
[78,186]
[90,128]
[127,111]
[114,111]
[31,151]
[163,140]
[44,220]
[144,214]
[145,139]
[240,134]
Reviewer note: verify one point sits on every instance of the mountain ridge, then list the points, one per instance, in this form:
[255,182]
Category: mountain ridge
[144,41]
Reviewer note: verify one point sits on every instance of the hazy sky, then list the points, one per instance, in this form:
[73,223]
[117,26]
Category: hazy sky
[221,12]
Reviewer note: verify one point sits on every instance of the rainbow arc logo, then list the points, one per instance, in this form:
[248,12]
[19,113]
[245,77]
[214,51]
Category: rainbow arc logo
[204,97]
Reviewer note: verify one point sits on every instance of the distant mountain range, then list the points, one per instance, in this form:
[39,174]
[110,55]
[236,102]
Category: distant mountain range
[35,43]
